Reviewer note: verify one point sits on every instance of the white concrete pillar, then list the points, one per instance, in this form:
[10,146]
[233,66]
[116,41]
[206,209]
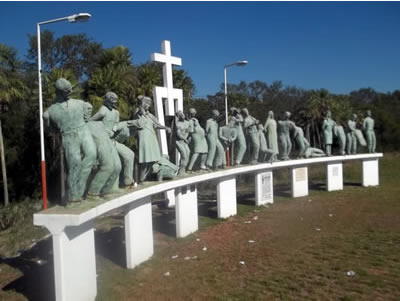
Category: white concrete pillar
[138,233]
[187,220]
[264,188]
[226,197]
[334,176]
[370,172]
[170,197]
[74,263]
[299,181]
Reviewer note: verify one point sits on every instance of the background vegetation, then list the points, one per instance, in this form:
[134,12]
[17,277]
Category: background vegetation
[94,70]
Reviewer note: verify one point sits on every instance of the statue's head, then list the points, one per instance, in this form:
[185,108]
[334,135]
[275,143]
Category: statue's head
[354,117]
[180,115]
[192,112]
[215,114]
[245,112]
[260,126]
[63,89]
[234,111]
[145,102]
[110,100]
[285,115]
[270,114]
[328,114]
[369,113]
[231,121]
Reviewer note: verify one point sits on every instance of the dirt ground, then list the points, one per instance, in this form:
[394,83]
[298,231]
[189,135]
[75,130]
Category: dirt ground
[296,249]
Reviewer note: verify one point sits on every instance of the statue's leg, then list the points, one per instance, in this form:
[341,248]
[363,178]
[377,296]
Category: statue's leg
[328,149]
[106,168]
[144,170]
[72,152]
[354,144]
[185,158]
[349,143]
[373,148]
[283,147]
[219,155]
[127,160]
[89,154]
[192,161]
[289,146]
[240,146]
[255,142]
[109,186]
[203,158]
[182,151]
[212,146]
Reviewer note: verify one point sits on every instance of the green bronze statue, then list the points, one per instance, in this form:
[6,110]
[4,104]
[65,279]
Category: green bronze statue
[251,132]
[368,127]
[199,145]
[351,135]
[67,117]
[109,115]
[327,128]
[298,136]
[265,152]
[215,157]
[284,127]
[341,136]
[270,127]
[182,127]
[312,152]
[164,169]
[240,142]
[228,133]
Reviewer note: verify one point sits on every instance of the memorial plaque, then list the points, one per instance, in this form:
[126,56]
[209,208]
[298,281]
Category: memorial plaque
[300,174]
[266,179]
[335,171]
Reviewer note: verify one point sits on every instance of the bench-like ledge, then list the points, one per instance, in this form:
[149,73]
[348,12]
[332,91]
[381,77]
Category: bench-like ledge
[73,234]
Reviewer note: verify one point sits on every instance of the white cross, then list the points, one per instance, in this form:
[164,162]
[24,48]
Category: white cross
[173,98]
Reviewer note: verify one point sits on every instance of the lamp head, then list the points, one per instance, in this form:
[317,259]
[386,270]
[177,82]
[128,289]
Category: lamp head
[81,17]
[241,63]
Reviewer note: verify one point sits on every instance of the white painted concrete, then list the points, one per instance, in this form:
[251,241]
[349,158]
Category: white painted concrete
[370,172]
[187,220]
[170,197]
[63,222]
[334,176]
[264,188]
[75,263]
[226,197]
[138,234]
[299,181]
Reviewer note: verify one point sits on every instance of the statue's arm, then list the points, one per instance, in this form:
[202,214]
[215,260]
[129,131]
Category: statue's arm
[221,136]
[100,114]
[46,118]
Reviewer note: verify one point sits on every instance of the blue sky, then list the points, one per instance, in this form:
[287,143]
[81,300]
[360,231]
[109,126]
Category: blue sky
[341,46]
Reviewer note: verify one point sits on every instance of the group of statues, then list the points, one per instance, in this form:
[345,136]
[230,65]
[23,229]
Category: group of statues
[97,157]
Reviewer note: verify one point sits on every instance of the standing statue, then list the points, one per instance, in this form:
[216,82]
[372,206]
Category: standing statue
[182,140]
[149,149]
[228,133]
[327,127]
[240,142]
[198,142]
[298,135]
[351,135]
[272,136]
[340,134]
[284,127]
[215,155]
[264,150]
[67,117]
[250,129]
[312,152]
[368,127]
[109,115]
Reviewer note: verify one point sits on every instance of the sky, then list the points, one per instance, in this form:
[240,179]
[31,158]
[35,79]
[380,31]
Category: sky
[340,46]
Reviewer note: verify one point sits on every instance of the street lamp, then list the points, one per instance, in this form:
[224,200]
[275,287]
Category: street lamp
[238,63]
[82,17]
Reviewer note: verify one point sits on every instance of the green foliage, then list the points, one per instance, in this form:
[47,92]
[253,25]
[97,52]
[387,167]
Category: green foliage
[17,213]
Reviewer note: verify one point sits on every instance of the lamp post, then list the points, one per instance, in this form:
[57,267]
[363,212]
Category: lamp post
[82,17]
[238,63]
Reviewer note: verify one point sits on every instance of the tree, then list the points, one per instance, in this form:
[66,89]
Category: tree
[11,89]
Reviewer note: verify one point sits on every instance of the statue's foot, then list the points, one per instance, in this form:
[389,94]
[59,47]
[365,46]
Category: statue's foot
[252,162]
[93,198]
[73,204]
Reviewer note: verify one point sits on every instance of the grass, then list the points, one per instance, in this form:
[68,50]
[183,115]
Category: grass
[302,247]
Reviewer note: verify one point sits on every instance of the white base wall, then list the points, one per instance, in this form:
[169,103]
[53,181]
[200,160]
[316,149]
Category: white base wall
[370,172]
[299,182]
[334,176]
[226,197]
[187,220]
[138,234]
[264,188]
[170,197]
[75,263]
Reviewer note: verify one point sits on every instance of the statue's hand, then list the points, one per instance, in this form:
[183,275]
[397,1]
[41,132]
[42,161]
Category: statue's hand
[168,130]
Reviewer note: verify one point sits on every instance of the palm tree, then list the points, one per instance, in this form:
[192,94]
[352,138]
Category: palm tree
[11,89]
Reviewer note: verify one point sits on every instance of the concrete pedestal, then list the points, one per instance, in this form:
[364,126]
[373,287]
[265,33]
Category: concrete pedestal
[74,255]
[264,188]
[170,197]
[299,181]
[187,220]
[138,233]
[334,176]
[226,197]
[370,172]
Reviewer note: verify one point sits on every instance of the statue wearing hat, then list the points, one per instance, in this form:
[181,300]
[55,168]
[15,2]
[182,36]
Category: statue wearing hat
[67,117]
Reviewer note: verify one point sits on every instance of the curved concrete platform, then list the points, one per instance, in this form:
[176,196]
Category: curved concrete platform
[72,229]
